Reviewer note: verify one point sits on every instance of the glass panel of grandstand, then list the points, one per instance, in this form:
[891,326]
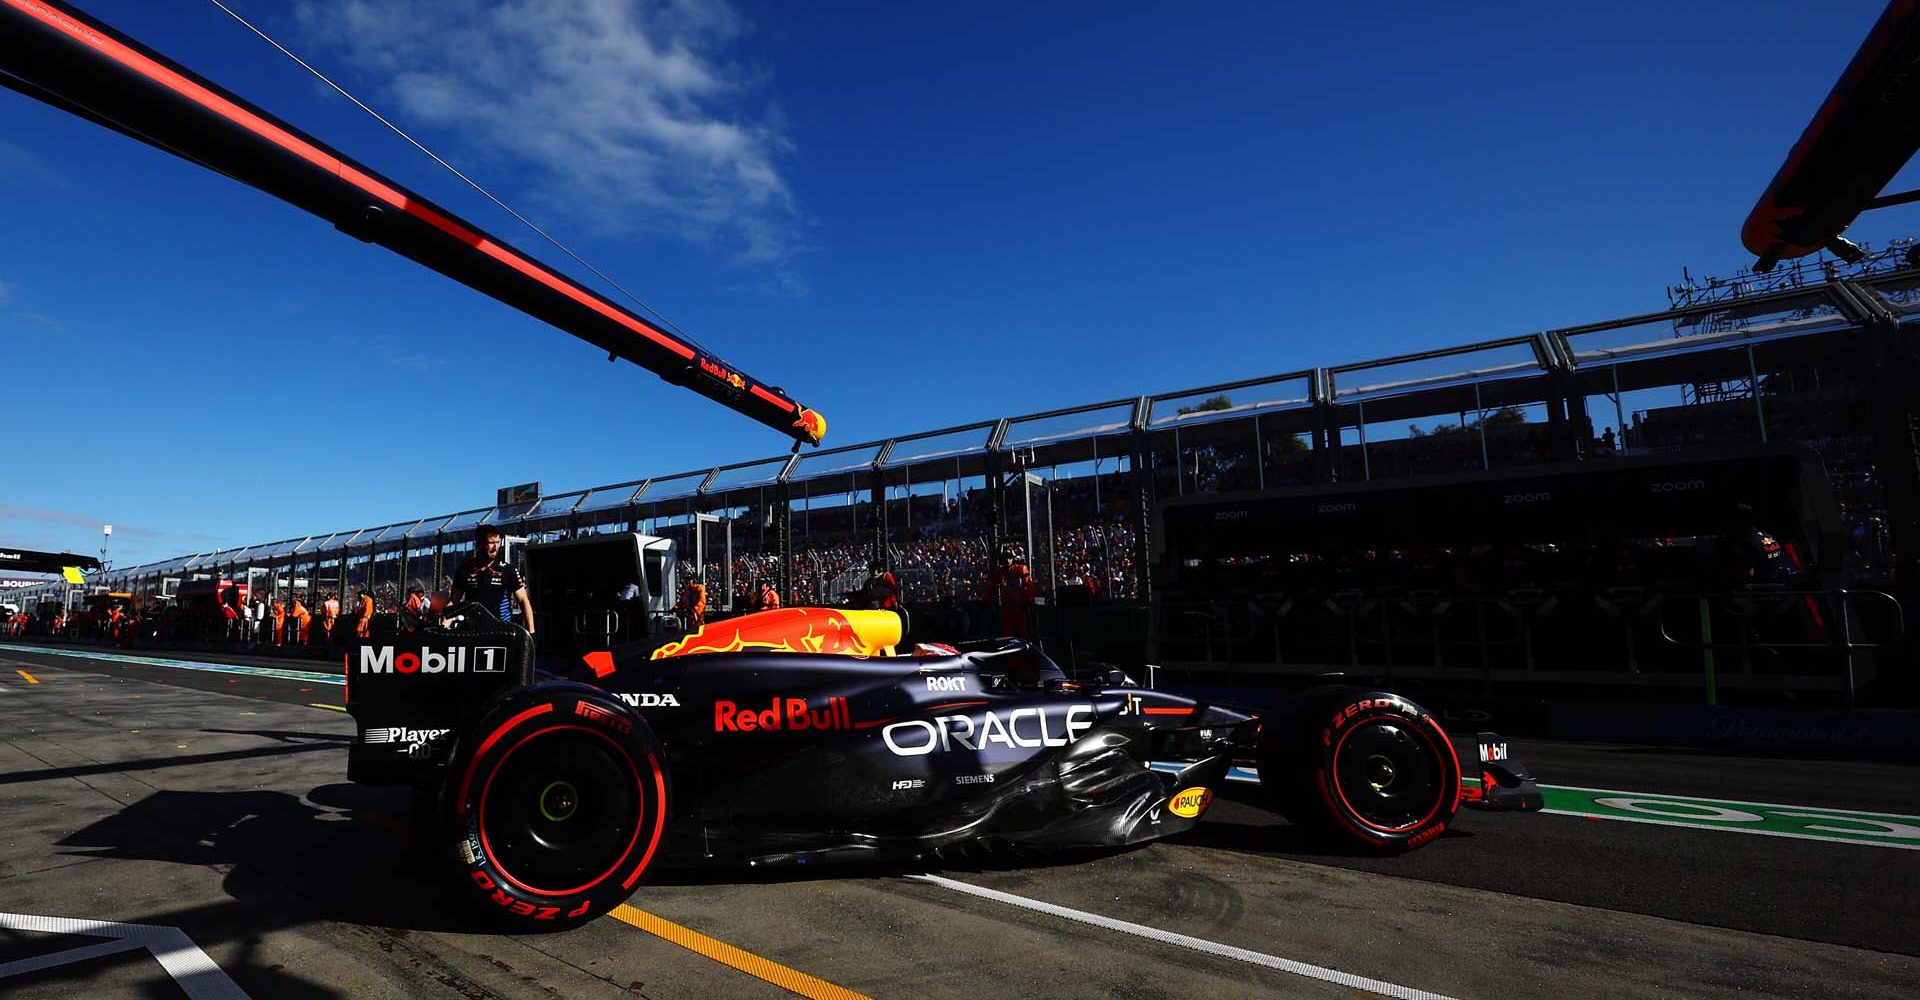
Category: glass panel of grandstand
[830,552]
[1901,292]
[1705,327]
[1293,390]
[1286,449]
[430,526]
[1068,431]
[1165,477]
[1095,519]
[754,474]
[606,508]
[939,553]
[419,553]
[827,463]
[1701,399]
[1217,457]
[550,519]
[1517,428]
[1434,431]
[1438,369]
[943,444]
[738,523]
[462,524]
[672,487]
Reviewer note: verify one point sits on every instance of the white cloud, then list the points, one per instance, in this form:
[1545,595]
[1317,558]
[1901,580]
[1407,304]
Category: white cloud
[21,167]
[629,114]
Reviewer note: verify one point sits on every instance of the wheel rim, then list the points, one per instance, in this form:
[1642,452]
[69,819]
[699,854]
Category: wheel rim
[562,810]
[1388,775]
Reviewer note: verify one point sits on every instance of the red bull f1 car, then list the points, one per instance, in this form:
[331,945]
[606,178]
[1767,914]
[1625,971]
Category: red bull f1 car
[812,735]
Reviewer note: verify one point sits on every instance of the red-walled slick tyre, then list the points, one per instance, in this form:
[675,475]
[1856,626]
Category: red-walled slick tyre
[1362,769]
[558,807]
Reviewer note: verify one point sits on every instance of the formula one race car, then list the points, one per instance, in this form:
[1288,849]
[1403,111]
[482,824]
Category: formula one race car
[809,735]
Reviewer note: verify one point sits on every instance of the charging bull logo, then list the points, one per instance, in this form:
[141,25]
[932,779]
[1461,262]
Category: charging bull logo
[794,630]
[812,424]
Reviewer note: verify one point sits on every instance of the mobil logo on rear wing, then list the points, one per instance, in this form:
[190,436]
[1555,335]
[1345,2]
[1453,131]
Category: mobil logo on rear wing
[432,660]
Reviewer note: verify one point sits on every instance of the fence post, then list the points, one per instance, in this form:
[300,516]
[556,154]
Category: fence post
[1706,652]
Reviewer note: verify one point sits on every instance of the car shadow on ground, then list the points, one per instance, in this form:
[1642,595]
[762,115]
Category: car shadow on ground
[342,853]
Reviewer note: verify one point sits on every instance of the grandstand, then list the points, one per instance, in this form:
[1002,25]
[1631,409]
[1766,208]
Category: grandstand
[1826,365]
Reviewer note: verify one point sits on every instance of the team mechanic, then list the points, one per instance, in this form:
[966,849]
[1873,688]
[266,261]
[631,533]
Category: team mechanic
[491,581]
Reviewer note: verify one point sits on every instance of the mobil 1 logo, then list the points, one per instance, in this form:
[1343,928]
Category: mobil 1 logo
[431,660]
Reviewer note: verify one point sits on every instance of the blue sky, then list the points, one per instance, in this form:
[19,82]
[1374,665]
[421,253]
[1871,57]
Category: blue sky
[908,215]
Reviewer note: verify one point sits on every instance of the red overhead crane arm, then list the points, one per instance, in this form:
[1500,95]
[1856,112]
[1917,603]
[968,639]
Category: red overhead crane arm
[1865,131]
[54,53]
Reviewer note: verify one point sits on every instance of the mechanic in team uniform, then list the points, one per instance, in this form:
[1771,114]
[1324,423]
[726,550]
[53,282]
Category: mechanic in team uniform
[883,590]
[1751,555]
[363,613]
[489,579]
[693,603]
[1011,586]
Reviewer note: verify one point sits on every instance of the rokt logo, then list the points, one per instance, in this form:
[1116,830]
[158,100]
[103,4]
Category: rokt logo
[456,660]
[947,683]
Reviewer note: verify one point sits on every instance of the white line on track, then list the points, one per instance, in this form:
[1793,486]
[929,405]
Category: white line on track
[1202,945]
[193,972]
[278,673]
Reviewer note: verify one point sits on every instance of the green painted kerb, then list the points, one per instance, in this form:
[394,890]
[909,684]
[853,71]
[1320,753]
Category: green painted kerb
[1767,819]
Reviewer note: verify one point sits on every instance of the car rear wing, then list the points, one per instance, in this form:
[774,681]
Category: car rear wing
[411,695]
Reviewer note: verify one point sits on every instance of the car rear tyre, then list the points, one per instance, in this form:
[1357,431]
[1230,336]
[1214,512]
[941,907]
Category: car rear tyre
[558,808]
[1362,769]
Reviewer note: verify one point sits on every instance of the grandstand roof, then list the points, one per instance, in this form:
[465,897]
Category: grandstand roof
[1660,348]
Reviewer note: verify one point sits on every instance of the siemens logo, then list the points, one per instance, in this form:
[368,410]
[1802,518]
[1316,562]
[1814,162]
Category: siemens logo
[1678,486]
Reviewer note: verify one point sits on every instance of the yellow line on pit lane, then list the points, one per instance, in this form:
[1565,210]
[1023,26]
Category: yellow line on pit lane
[330,708]
[29,677]
[791,980]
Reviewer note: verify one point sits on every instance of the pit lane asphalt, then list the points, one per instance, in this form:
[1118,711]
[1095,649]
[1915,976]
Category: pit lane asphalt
[249,839]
